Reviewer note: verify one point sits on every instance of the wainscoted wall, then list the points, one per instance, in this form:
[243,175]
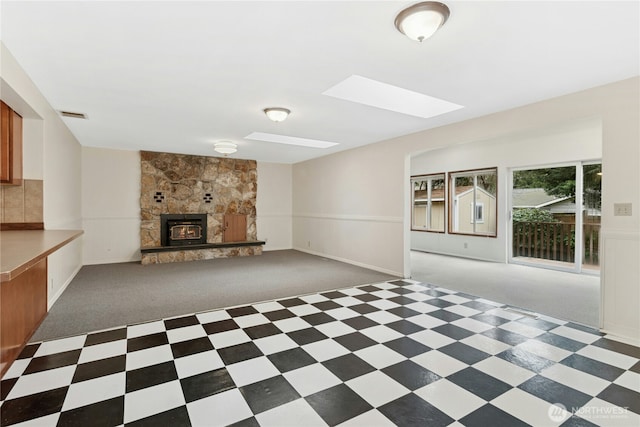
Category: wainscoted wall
[274,206]
[372,180]
[621,251]
[573,141]
[186,184]
[111,205]
[332,236]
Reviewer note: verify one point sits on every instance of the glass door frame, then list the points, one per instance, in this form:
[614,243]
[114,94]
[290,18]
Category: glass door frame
[576,266]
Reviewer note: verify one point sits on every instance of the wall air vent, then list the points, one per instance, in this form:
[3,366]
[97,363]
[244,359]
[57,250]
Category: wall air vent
[73,115]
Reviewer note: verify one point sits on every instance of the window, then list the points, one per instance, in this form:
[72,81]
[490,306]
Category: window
[428,202]
[479,212]
[473,195]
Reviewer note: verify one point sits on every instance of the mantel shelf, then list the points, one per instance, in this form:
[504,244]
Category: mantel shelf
[156,249]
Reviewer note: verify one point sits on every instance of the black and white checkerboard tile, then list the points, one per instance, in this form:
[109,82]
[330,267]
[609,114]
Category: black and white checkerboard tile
[394,353]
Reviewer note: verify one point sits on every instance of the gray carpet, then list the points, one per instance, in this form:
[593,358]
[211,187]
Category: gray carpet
[563,295]
[109,295]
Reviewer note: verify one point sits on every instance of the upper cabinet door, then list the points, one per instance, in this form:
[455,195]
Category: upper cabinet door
[11,146]
[5,155]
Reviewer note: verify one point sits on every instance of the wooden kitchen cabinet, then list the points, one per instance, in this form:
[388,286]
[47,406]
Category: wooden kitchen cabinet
[23,285]
[23,305]
[10,146]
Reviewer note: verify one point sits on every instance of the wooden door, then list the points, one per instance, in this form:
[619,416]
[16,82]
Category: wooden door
[5,146]
[235,228]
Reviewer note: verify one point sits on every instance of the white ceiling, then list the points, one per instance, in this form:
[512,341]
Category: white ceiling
[177,76]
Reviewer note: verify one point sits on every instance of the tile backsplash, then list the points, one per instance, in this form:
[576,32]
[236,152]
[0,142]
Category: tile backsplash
[21,203]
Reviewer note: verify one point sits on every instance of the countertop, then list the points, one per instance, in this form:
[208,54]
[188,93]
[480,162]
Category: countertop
[19,250]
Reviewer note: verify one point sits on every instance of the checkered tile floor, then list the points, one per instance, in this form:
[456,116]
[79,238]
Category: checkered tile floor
[395,353]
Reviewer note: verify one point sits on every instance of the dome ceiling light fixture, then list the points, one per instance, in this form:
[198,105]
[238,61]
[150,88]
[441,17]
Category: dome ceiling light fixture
[225,147]
[277,114]
[422,20]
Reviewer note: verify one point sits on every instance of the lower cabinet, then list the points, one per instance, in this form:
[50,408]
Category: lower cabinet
[23,305]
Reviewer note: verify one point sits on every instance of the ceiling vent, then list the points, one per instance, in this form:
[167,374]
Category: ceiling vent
[73,115]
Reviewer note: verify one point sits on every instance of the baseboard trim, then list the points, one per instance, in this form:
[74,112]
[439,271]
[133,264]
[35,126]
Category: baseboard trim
[137,258]
[276,248]
[352,262]
[456,255]
[620,338]
[62,288]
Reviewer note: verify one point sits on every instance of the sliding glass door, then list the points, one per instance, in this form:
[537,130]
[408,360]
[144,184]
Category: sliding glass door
[591,216]
[555,216]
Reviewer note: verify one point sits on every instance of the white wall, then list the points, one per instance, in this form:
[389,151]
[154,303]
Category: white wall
[53,154]
[348,205]
[33,150]
[575,141]
[273,205]
[111,205]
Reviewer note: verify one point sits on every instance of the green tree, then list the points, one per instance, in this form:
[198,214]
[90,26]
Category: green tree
[559,182]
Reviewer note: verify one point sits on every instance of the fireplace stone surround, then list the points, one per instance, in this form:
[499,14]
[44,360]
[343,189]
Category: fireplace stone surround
[181,184]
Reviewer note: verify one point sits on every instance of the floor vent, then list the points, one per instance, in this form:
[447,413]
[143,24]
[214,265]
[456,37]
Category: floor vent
[522,312]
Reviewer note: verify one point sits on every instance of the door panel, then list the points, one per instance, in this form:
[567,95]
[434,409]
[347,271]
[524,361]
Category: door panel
[591,215]
[544,216]
[235,228]
[556,217]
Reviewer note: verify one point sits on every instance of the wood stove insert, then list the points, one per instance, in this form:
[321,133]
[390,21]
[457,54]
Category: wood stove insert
[183,229]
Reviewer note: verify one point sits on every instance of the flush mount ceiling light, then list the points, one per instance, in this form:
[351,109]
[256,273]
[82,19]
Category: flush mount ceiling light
[422,20]
[225,147]
[277,114]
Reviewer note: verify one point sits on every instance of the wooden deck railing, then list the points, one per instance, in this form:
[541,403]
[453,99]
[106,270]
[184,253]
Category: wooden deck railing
[555,241]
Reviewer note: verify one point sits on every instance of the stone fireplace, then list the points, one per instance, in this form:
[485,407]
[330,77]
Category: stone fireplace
[185,203]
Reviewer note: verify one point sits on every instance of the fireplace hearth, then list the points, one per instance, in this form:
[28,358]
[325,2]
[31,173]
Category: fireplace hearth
[183,229]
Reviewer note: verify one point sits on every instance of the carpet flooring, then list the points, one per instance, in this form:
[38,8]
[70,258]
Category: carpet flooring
[109,295]
[560,294]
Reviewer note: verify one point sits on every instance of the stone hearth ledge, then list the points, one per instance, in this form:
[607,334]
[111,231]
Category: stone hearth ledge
[165,254]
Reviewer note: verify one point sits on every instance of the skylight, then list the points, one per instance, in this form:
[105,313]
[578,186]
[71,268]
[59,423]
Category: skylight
[290,140]
[388,97]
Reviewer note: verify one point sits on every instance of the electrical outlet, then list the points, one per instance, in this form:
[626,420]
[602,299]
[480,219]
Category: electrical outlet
[466,245]
[50,284]
[308,243]
[622,209]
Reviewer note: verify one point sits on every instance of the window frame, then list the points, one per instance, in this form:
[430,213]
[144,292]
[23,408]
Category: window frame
[429,178]
[454,217]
